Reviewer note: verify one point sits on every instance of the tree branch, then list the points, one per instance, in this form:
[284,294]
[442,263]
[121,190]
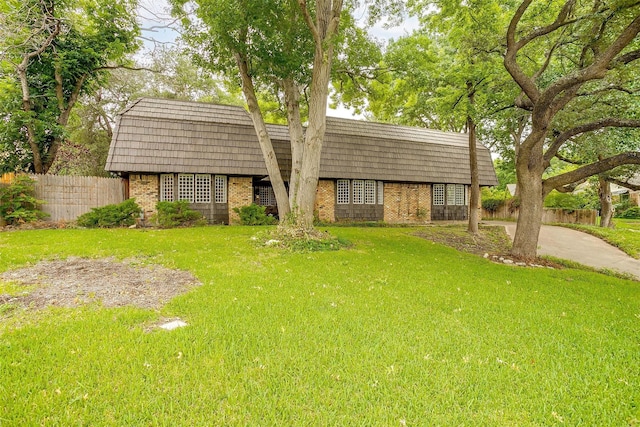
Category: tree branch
[604,165]
[624,184]
[309,21]
[584,128]
[511,64]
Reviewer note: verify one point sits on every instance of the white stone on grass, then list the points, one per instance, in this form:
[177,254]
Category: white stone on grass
[173,325]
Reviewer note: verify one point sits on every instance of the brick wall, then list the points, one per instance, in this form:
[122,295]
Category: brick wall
[145,189]
[325,201]
[240,194]
[407,203]
[634,197]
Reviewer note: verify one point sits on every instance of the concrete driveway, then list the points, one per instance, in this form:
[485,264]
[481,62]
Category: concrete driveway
[573,245]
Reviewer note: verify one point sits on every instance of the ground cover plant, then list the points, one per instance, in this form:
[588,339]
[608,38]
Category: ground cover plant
[395,330]
[625,235]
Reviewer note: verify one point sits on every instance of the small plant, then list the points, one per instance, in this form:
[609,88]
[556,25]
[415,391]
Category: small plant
[18,203]
[177,214]
[254,215]
[117,215]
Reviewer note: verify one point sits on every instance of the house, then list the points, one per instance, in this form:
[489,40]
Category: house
[209,154]
[627,194]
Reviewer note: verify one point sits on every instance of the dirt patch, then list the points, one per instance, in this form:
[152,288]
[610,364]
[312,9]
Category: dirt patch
[491,242]
[76,281]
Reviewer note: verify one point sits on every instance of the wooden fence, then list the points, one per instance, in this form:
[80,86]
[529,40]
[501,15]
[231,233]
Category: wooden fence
[567,216]
[67,197]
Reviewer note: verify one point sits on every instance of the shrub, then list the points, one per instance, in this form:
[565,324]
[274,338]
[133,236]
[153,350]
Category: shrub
[177,214]
[118,215]
[622,207]
[254,215]
[631,213]
[18,203]
[492,205]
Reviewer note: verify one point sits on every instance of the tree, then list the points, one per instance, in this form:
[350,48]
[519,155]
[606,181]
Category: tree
[287,47]
[446,75]
[55,51]
[586,51]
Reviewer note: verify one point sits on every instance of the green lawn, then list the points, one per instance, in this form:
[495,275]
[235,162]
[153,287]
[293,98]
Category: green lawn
[625,235]
[394,331]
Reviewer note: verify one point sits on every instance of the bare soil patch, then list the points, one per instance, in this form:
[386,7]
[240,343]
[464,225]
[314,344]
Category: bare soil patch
[76,281]
[491,242]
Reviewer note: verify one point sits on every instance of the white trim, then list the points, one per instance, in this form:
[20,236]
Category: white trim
[342,192]
[203,188]
[166,187]
[370,192]
[185,187]
[358,191]
[460,195]
[380,194]
[438,194]
[220,188]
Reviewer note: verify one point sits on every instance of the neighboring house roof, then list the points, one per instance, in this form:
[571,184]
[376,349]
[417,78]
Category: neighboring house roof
[168,136]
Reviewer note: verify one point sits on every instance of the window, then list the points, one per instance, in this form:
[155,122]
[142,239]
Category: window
[380,192]
[451,194]
[266,196]
[358,191]
[438,194]
[221,188]
[370,192]
[460,195]
[203,188]
[166,188]
[185,187]
[343,192]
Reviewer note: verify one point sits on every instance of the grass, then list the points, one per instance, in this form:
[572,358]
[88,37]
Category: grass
[396,330]
[625,235]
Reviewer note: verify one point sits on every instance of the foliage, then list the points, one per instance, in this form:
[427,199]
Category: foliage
[385,337]
[494,197]
[491,204]
[572,201]
[18,203]
[505,172]
[576,65]
[177,214]
[54,53]
[631,213]
[254,215]
[117,215]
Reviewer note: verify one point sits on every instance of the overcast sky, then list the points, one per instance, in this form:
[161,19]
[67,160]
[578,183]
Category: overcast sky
[154,17]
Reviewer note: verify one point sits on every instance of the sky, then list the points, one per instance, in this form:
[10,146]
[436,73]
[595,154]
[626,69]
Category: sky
[154,17]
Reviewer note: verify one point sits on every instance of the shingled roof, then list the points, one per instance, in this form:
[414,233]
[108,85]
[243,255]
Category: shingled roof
[169,136]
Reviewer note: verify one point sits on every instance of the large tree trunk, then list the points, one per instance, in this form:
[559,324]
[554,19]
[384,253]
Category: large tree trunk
[296,135]
[271,162]
[324,28]
[606,207]
[306,197]
[529,170]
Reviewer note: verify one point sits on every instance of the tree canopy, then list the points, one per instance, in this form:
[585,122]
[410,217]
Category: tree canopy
[53,52]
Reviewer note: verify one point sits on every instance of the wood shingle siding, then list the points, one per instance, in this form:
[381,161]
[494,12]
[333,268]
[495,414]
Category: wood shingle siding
[169,136]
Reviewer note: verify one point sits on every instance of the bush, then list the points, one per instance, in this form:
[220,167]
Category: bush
[631,213]
[177,214]
[18,203]
[492,205]
[254,215]
[118,215]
